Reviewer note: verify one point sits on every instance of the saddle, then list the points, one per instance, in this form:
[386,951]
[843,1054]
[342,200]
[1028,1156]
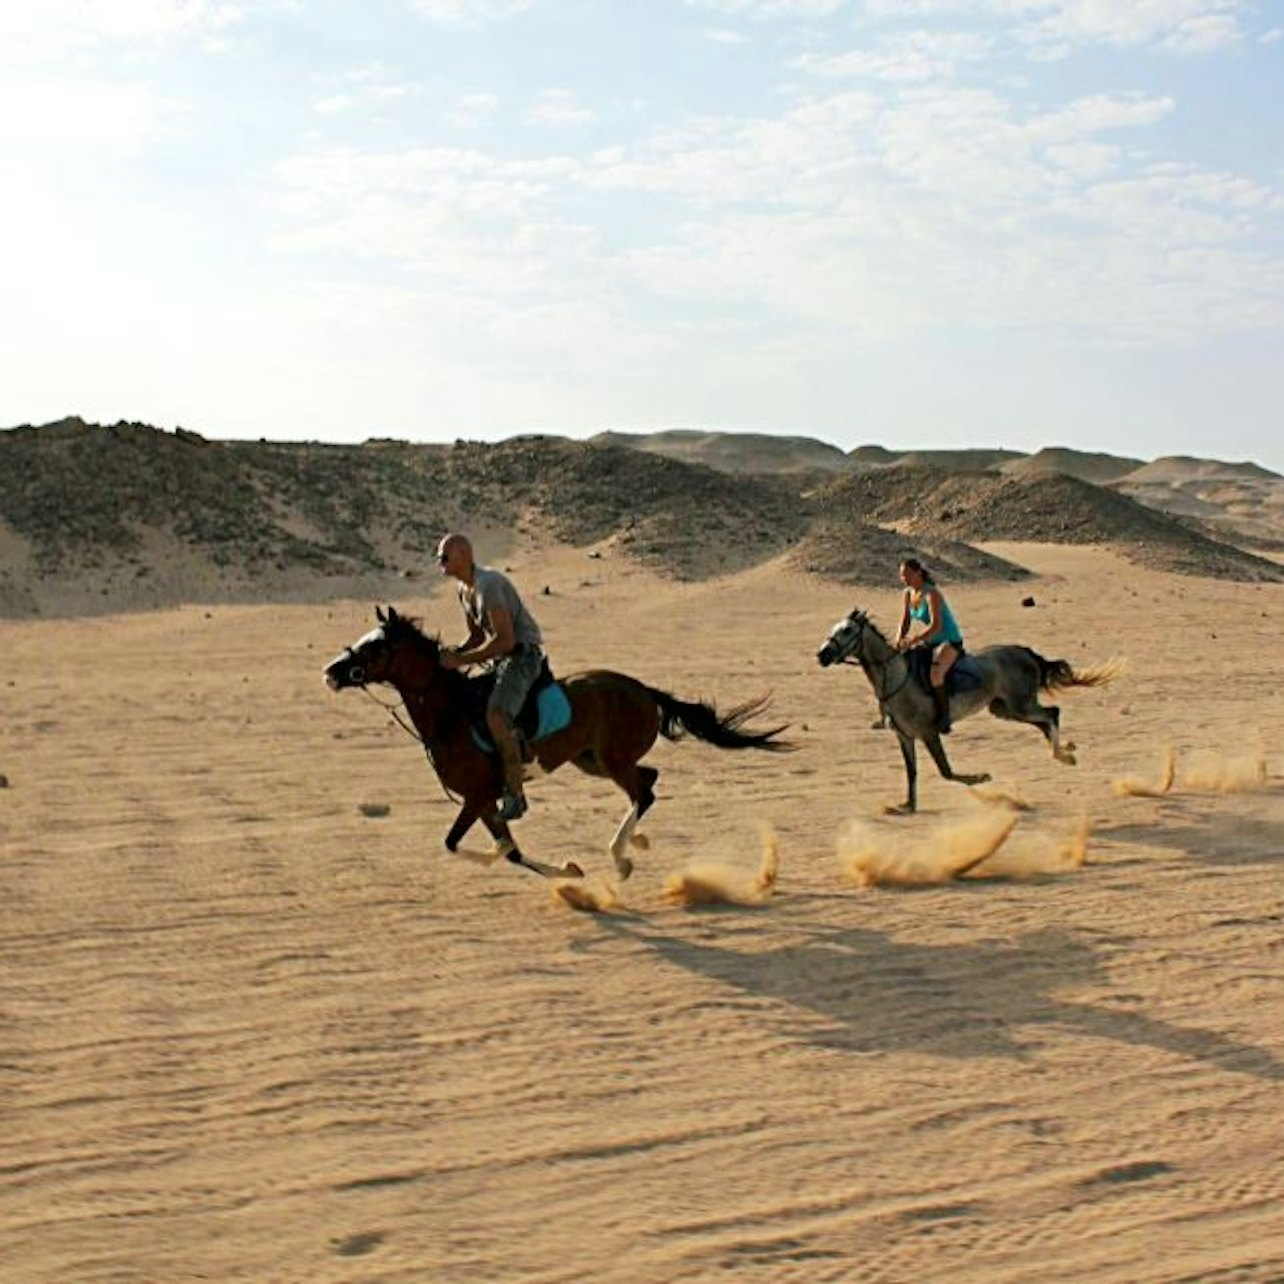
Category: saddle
[547,709]
[963,674]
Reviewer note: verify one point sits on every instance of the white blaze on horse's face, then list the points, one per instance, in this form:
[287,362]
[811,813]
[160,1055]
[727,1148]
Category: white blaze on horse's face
[839,642]
[347,669]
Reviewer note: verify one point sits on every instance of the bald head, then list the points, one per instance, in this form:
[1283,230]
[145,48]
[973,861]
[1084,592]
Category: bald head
[455,556]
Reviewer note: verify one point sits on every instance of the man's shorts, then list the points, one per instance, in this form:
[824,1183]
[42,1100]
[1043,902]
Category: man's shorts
[515,674]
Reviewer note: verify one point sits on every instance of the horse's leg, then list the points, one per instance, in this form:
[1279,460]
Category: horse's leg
[639,783]
[1046,717]
[506,846]
[636,781]
[910,755]
[932,741]
[463,823]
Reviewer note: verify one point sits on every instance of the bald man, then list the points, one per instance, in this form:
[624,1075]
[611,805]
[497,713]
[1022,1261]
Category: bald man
[503,634]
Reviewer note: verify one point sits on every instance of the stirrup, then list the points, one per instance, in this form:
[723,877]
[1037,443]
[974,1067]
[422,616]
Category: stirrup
[512,806]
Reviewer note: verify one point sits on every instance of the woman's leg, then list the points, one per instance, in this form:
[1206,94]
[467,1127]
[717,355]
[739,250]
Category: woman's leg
[942,661]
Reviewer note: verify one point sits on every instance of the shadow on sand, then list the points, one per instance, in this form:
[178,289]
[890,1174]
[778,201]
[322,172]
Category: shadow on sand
[861,992]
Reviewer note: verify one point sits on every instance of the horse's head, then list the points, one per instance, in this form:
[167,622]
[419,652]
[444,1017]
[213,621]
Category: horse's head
[373,658]
[845,639]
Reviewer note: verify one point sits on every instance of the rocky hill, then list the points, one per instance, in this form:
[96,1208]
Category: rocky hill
[735,452]
[127,516]
[136,517]
[1240,503]
[935,504]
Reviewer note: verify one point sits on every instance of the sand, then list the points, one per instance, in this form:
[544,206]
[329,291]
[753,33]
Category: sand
[258,1025]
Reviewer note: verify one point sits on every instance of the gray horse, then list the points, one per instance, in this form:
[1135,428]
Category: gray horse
[1005,679]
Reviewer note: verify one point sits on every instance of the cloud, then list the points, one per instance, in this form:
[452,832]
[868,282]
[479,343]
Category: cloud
[772,8]
[908,56]
[558,107]
[333,104]
[55,28]
[468,12]
[1097,113]
[90,116]
[1052,27]
[471,109]
[872,217]
[443,216]
[367,87]
[1107,22]
[1204,34]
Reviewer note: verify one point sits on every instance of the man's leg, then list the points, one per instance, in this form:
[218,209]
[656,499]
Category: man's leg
[514,677]
[502,733]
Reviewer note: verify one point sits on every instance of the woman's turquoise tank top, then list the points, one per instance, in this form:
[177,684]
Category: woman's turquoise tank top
[949,631]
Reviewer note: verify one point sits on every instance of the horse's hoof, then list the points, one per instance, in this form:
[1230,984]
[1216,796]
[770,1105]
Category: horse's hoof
[451,847]
[623,867]
[898,809]
[640,841]
[572,870]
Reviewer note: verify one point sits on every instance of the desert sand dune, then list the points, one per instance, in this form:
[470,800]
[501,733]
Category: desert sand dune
[258,1025]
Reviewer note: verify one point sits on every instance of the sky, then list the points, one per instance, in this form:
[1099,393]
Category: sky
[913,223]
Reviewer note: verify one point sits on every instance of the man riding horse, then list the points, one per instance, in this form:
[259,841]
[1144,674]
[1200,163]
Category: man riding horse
[503,634]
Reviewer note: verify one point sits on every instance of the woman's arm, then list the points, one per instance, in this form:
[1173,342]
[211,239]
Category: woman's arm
[935,618]
[905,620]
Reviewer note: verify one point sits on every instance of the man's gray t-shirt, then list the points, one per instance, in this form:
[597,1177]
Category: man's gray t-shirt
[491,589]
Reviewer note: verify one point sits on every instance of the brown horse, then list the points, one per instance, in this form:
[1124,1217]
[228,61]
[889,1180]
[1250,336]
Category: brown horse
[615,720]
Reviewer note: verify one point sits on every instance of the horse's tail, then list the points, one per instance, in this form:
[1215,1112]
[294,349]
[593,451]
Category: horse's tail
[1060,673]
[694,717]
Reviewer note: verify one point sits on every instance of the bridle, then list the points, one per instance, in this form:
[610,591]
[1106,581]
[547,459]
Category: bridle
[358,675]
[875,670]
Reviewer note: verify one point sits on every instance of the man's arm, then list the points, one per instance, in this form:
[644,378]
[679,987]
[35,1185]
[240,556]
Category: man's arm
[501,620]
[474,638]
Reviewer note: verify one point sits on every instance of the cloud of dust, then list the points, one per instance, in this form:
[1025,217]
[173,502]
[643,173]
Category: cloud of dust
[588,898]
[715,883]
[1207,771]
[999,796]
[1040,855]
[1130,787]
[874,855]
[1240,775]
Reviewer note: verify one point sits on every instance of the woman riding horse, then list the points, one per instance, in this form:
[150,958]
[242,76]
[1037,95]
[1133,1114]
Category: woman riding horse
[926,605]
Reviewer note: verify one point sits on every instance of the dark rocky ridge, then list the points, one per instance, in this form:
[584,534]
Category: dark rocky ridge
[136,517]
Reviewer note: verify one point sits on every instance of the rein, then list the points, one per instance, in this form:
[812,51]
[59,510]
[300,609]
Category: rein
[397,718]
[414,735]
[880,667]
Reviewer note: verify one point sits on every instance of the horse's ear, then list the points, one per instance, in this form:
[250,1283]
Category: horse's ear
[380,616]
[392,614]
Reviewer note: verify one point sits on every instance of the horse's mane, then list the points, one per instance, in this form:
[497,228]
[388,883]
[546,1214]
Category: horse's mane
[870,623]
[405,628]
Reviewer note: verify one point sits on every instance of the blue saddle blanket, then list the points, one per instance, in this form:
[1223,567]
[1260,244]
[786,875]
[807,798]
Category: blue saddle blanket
[554,708]
[964,675]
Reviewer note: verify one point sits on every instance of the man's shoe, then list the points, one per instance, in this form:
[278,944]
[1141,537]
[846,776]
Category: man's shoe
[512,806]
